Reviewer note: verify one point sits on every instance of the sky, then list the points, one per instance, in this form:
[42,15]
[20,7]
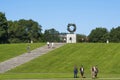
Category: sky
[57,14]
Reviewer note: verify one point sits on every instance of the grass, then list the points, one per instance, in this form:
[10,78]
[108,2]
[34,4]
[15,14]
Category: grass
[8,51]
[59,63]
[56,76]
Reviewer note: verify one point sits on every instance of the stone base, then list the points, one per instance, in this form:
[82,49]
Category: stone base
[71,38]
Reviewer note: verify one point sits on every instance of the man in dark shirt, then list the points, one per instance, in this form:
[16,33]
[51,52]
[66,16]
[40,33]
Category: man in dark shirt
[75,71]
[82,71]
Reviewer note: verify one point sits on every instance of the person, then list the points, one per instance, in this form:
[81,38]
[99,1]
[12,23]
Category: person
[75,71]
[52,45]
[82,71]
[107,41]
[28,48]
[93,71]
[96,71]
[48,44]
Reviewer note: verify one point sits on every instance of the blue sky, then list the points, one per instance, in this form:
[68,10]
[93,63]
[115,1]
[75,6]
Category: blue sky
[86,14]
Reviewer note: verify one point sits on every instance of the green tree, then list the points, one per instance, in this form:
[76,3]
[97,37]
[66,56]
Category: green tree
[98,35]
[11,31]
[17,32]
[34,30]
[24,31]
[51,35]
[115,34]
[82,38]
[3,28]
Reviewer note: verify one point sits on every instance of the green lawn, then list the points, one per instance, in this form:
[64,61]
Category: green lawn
[60,62]
[52,76]
[11,50]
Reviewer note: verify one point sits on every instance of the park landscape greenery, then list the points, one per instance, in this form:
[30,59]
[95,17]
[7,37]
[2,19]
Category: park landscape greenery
[11,50]
[59,63]
[23,31]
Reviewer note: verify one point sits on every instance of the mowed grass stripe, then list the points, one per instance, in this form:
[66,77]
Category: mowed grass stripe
[55,76]
[62,60]
[8,51]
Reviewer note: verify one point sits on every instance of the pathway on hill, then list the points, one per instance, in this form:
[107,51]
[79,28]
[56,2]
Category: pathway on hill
[16,61]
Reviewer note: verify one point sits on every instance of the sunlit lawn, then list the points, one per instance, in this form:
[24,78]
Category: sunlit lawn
[59,63]
[11,50]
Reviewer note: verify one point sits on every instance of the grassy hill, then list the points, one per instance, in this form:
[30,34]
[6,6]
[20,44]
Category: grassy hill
[11,50]
[62,60]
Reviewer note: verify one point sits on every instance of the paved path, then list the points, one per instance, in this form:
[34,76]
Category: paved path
[16,61]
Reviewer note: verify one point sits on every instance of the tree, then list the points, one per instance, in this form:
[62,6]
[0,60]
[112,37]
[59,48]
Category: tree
[115,34]
[82,38]
[31,30]
[12,32]
[24,31]
[51,35]
[98,35]
[3,28]
[34,31]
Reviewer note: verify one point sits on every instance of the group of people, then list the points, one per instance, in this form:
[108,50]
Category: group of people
[50,45]
[94,71]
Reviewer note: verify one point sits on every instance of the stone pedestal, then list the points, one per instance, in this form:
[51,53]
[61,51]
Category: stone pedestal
[71,38]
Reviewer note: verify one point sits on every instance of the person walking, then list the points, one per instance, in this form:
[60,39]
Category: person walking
[93,72]
[52,45]
[48,44]
[96,71]
[82,71]
[75,71]
[28,48]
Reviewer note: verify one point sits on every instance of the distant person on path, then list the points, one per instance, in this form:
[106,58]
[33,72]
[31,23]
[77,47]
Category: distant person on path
[48,44]
[28,48]
[75,71]
[82,71]
[52,45]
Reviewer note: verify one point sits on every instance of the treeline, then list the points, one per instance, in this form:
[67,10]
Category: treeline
[101,35]
[23,31]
